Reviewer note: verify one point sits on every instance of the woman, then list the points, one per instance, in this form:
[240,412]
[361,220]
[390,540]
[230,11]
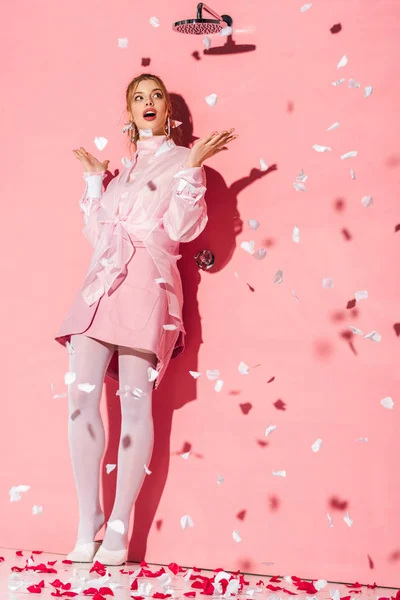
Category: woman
[126,320]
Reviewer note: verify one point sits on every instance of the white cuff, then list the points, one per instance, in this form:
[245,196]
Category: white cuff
[94,185]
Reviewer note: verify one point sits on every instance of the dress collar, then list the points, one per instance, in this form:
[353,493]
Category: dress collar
[150,145]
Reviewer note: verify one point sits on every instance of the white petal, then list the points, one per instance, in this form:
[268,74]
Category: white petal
[195,374]
[152,374]
[368,91]
[186,521]
[279,473]
[253,224]
[236,536]
[361,295]
[160,280]
[327,283]
[260,254]
[335,594]
[248,246]
[154,21]
[16,491]
[117,525]
[342,62]
[110,467]
[306,7]
[138,393]
[338,82]
[37,510]
[348,520]
[86,387]
[374,336]
[170,327]
[353,83]
[220,479]
[211,99]
[355,330]
[69,377]
[349,154]
[269,430]
[352,174]
[367,201]
[144,589]
[60,396]
[100,142]
[212,374]
[316,445]
[207,42]
[263,165]
[278,278]
[218,385]
[319,148]
[122,42]
[226,31]
[320,584]
[293,294]
[243,368]
[70,348]
[299,187]
[362,440]
[296,234]
[334,126]
[387,402]
[186,455]
[330,520]
[148,472]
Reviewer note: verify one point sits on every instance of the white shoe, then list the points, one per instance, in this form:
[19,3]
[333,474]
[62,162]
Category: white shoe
[111,557]
[84,552]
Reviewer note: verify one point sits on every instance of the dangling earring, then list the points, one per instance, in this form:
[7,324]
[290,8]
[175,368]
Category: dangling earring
[128,126]
[168,132]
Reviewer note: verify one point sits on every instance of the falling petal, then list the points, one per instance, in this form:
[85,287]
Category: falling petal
[293,294]
[86,387]
[367,201]
[319,148]
[248,246]
[361,295]
[154,21]
[387,402]
[218,385]
[368,91]
[320,584]
[220,479]
[117,526]
[362,440]
[138,393]
[330,520]
[236,536]
[356,330]
[302,176]
[296,234]
[170,327]
[278,278]
[335,594]
[347,519]
[254,224]
[352,174]
[334,126]
[110,467]
[338,82]
[211,99]
[147,470]
[263,165]
[342,62]
[207,42]
[60,395]
[305,7]
[260,254]
[269,430]
[16,491]
[327,283]
[374,336]
[212,374]
[152,374]
[195,374]
[69,377]
[100,142]
[226,31]
[243,368]
[316,447]
[122,42]
[37,510]
[186,455]
[299,187]
[186,521]
[279,473]
[353,83]
[349,154]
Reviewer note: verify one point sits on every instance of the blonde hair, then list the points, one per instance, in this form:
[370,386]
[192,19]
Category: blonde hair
[176,134]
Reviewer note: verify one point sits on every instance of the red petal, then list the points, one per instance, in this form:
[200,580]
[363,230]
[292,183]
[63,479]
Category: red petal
[106,591]
[37,551]
[98,597]
[19,553]
[190,594]
[67,562]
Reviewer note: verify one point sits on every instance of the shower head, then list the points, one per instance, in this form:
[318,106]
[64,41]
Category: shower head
[200,26]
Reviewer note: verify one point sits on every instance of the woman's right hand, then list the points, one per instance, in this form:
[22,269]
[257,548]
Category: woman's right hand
[89,162]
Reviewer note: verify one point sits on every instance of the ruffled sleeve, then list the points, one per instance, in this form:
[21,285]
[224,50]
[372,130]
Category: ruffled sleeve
[186,215]
[90,203]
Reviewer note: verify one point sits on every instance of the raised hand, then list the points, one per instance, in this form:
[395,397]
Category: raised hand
[89,162]
[208,146]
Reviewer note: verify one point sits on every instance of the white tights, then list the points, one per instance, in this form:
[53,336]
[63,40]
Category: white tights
[87,436]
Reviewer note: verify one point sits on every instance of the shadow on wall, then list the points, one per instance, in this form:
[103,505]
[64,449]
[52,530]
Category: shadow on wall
[178,386]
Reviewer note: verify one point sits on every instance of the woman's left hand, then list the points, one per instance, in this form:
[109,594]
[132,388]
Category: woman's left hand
[206,147]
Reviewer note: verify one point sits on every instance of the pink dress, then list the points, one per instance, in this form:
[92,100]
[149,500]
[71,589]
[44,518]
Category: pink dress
[134,311]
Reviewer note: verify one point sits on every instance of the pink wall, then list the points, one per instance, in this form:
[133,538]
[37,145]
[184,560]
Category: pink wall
[63,85]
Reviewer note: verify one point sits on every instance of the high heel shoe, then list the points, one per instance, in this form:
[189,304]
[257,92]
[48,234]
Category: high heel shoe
[111,557]
[84,552]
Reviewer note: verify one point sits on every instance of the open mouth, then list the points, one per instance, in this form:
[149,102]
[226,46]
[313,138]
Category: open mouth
[149,115]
